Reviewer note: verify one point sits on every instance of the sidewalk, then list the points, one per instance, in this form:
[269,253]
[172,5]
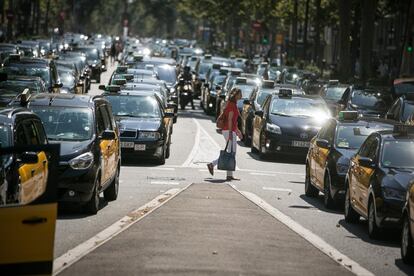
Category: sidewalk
[208,229]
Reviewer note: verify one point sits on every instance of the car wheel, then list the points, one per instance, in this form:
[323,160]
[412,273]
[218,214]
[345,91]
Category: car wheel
[111,193]
[310,190]
[350,214]
[174,119]
[327,196]
[407,250]
[374,231]
[92,206]
[161,159]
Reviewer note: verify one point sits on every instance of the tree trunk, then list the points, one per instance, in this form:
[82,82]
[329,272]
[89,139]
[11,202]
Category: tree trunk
[316,53]
[46,27]
[305,32]
[344,28]
[355,33]
[295,29]
[367,37]
[407,62]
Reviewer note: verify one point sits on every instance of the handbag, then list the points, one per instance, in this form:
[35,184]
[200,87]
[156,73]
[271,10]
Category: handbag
[227,160]
[221,120]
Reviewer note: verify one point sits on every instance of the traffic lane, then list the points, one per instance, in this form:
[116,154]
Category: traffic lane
[287,195]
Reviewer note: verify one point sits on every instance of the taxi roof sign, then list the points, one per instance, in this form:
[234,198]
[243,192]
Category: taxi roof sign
[348,115]
[208,56]
[240,80]
[285,93]
[403,130]
[129,77]
[268,84]
[333,82]
[121,69]
[216,66]
[113,88]
[119,81]
[138,57]
[194,58]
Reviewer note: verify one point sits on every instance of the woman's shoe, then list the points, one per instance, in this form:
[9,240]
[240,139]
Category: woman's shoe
[210,168]
[231,178]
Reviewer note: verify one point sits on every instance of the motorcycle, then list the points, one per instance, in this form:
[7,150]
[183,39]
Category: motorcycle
[185,89]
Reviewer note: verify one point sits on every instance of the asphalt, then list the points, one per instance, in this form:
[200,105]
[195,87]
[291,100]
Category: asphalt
[208,229]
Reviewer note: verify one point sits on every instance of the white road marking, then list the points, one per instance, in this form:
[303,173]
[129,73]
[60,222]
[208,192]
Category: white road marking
[195,148]
[76,253]
[162,169]
[215,171]
[277,189]
[259,173]
[164,183]
[315,240]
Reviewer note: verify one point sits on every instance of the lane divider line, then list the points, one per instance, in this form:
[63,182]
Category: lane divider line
[83,249]
[164,183]
[315,240]
[277,189]
[195,148]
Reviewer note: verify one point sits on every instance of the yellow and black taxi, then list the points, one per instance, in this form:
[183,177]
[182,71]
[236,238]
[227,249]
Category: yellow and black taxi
[402,109]
[378,179]
[11,87]
[27,194]
[287,123]
[144,125]
[330,150]
[332,93]
[36,67]
[407,237]
[212,88]
[89,140]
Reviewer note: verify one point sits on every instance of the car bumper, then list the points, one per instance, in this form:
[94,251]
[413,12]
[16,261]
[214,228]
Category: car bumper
[75,186]
[389,213]
[283,144]
[153,149]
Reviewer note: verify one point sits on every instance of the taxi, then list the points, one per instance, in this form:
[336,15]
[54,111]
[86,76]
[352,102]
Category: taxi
[407,237]
[145,128]
[89,161]
[287,123]
[327,161]
[378,179]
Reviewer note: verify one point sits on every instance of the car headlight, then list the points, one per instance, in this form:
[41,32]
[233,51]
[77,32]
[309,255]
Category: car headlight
[150,135]
[186,87]
[393,194]
[94,65]
[273,128]
[172,90]
[342,168]
[82,162]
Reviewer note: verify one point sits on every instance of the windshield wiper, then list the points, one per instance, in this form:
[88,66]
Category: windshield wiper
[280,114]
[126,115]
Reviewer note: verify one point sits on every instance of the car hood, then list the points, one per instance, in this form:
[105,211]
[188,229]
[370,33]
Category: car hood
[295,125]
[69,150]
[398,179]
[150,124]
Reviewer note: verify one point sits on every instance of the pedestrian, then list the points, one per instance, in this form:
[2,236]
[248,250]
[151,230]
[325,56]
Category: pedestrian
[230,130]
[113,53]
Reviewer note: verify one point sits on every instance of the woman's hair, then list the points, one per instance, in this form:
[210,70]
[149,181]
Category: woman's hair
[233,93]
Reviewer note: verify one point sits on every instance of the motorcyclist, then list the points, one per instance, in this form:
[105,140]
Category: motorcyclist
[187,76]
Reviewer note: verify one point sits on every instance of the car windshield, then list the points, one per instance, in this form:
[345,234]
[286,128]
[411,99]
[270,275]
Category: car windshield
[29,70]
[370,100]
[334,93]
[404,87]
[408,111]
[19,86]
[167,73]
[92,54]
[262,95]
[352,136]
[219,79]
[204,68]
[67,79]
[5,132]
[398,154]
[247,90]
[135,106]
[66,124]
[299,108]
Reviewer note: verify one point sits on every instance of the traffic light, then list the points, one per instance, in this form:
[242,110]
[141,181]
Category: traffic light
[410,48]
[265,40]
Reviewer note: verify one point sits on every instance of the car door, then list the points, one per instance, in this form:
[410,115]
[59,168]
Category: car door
[322,153]
[27,230]
[314,155]
[258,122]
[104,145]
[112,149]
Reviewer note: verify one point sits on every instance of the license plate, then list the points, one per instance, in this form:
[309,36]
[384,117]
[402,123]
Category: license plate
[139,147]
[127,145]
[300,144]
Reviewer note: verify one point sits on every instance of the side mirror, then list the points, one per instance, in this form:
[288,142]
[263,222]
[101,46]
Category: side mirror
[108,135]
[366,162]
[58,85]
[169,114]
[102,87]
[324,144]
[29,158]
[218,87]
[79,84]
[246,102]
[259,113]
